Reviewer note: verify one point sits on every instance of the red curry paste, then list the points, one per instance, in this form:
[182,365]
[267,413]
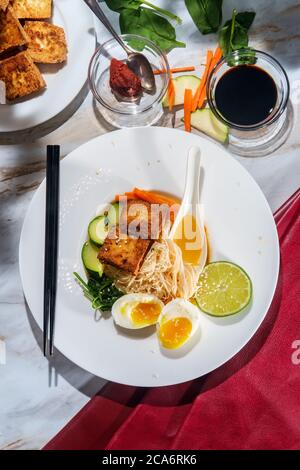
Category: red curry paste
[123,81]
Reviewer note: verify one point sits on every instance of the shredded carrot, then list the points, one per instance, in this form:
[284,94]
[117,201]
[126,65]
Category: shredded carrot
[175,70]
[217,56]
[188,102]
[209,56]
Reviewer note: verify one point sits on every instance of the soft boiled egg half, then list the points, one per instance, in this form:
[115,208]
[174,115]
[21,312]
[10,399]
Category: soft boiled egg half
[134,311]
[178,324]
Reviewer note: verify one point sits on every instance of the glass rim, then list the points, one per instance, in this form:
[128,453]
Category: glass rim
[158,51]
[272,117]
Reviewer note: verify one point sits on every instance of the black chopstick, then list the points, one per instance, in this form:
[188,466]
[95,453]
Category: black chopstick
[51,244]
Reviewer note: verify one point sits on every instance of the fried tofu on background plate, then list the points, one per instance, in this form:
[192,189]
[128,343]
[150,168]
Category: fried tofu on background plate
[21,76]
[47,42]
[11,32]
[33,9]
[4,4]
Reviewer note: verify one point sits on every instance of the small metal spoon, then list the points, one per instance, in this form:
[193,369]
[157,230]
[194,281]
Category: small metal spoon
[137,62]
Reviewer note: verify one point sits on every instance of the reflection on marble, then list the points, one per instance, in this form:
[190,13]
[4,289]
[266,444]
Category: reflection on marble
[31,411]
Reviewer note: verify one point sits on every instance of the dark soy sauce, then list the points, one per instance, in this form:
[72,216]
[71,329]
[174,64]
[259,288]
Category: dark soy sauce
[245,95]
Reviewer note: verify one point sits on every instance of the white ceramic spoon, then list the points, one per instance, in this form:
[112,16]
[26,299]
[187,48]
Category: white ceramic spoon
[191,201]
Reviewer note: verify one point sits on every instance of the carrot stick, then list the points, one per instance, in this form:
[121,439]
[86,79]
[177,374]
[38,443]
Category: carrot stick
[129,195]
[153,198]
[168,199]
[175,70]
[217,56]
[209,56]
[171,93]
[188,102]
[202,98]
[171,100]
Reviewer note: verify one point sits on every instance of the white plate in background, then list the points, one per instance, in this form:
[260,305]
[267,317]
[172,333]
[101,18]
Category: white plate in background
[64,81]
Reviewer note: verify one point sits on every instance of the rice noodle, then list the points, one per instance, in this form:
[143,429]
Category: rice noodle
[163,274]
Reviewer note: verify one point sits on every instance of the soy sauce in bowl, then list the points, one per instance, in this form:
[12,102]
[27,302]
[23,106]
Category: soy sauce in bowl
[245,95]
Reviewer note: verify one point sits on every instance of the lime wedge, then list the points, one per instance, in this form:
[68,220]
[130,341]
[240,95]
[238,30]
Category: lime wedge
[223,289]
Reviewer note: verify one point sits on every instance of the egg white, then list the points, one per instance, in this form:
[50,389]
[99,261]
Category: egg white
[122,309]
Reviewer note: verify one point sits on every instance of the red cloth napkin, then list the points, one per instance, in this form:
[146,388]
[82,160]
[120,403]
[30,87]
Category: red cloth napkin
[251,402]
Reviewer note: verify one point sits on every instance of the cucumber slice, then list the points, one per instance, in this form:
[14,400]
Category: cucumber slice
[98,229]
[113,214]
[180,84]
[89,255]
[205,121]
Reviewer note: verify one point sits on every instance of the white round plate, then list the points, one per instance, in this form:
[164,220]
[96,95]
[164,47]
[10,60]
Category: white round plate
[64,81]
[240,226]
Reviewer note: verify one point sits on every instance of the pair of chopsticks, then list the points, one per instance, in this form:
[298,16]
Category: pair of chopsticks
[51,245]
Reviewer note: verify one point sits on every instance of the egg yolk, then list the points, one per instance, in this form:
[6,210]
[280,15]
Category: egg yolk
[145,313]
[188,238]
[173,333]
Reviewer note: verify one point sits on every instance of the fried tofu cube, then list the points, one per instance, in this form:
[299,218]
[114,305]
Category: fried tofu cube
[11,32]
[21,76]
[47,42]
[140,219]
[4,4]
[124,252]
[33,9]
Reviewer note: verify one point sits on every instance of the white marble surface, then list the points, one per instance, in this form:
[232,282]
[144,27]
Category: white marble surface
[32,411]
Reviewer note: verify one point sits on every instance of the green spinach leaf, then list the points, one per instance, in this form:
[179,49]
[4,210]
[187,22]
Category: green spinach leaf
[245,19]
[206,14]
[145,22]
[234,34]
[119,5]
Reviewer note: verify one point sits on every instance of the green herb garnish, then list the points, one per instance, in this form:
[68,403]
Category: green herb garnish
[102,291]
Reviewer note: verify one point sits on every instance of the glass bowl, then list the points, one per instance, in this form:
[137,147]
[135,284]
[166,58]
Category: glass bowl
[266,136]
[128,114]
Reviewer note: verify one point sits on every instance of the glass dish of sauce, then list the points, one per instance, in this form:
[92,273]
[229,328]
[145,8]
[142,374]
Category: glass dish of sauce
[249,91]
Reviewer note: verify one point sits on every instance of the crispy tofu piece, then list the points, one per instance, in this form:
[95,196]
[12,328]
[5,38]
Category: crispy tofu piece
[47,42]
[11,32]
[33,9]
[139,219]
[21,76]
[124,252]
[4,4]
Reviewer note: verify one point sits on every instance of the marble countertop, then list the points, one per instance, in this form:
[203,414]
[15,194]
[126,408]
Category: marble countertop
[37,398]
